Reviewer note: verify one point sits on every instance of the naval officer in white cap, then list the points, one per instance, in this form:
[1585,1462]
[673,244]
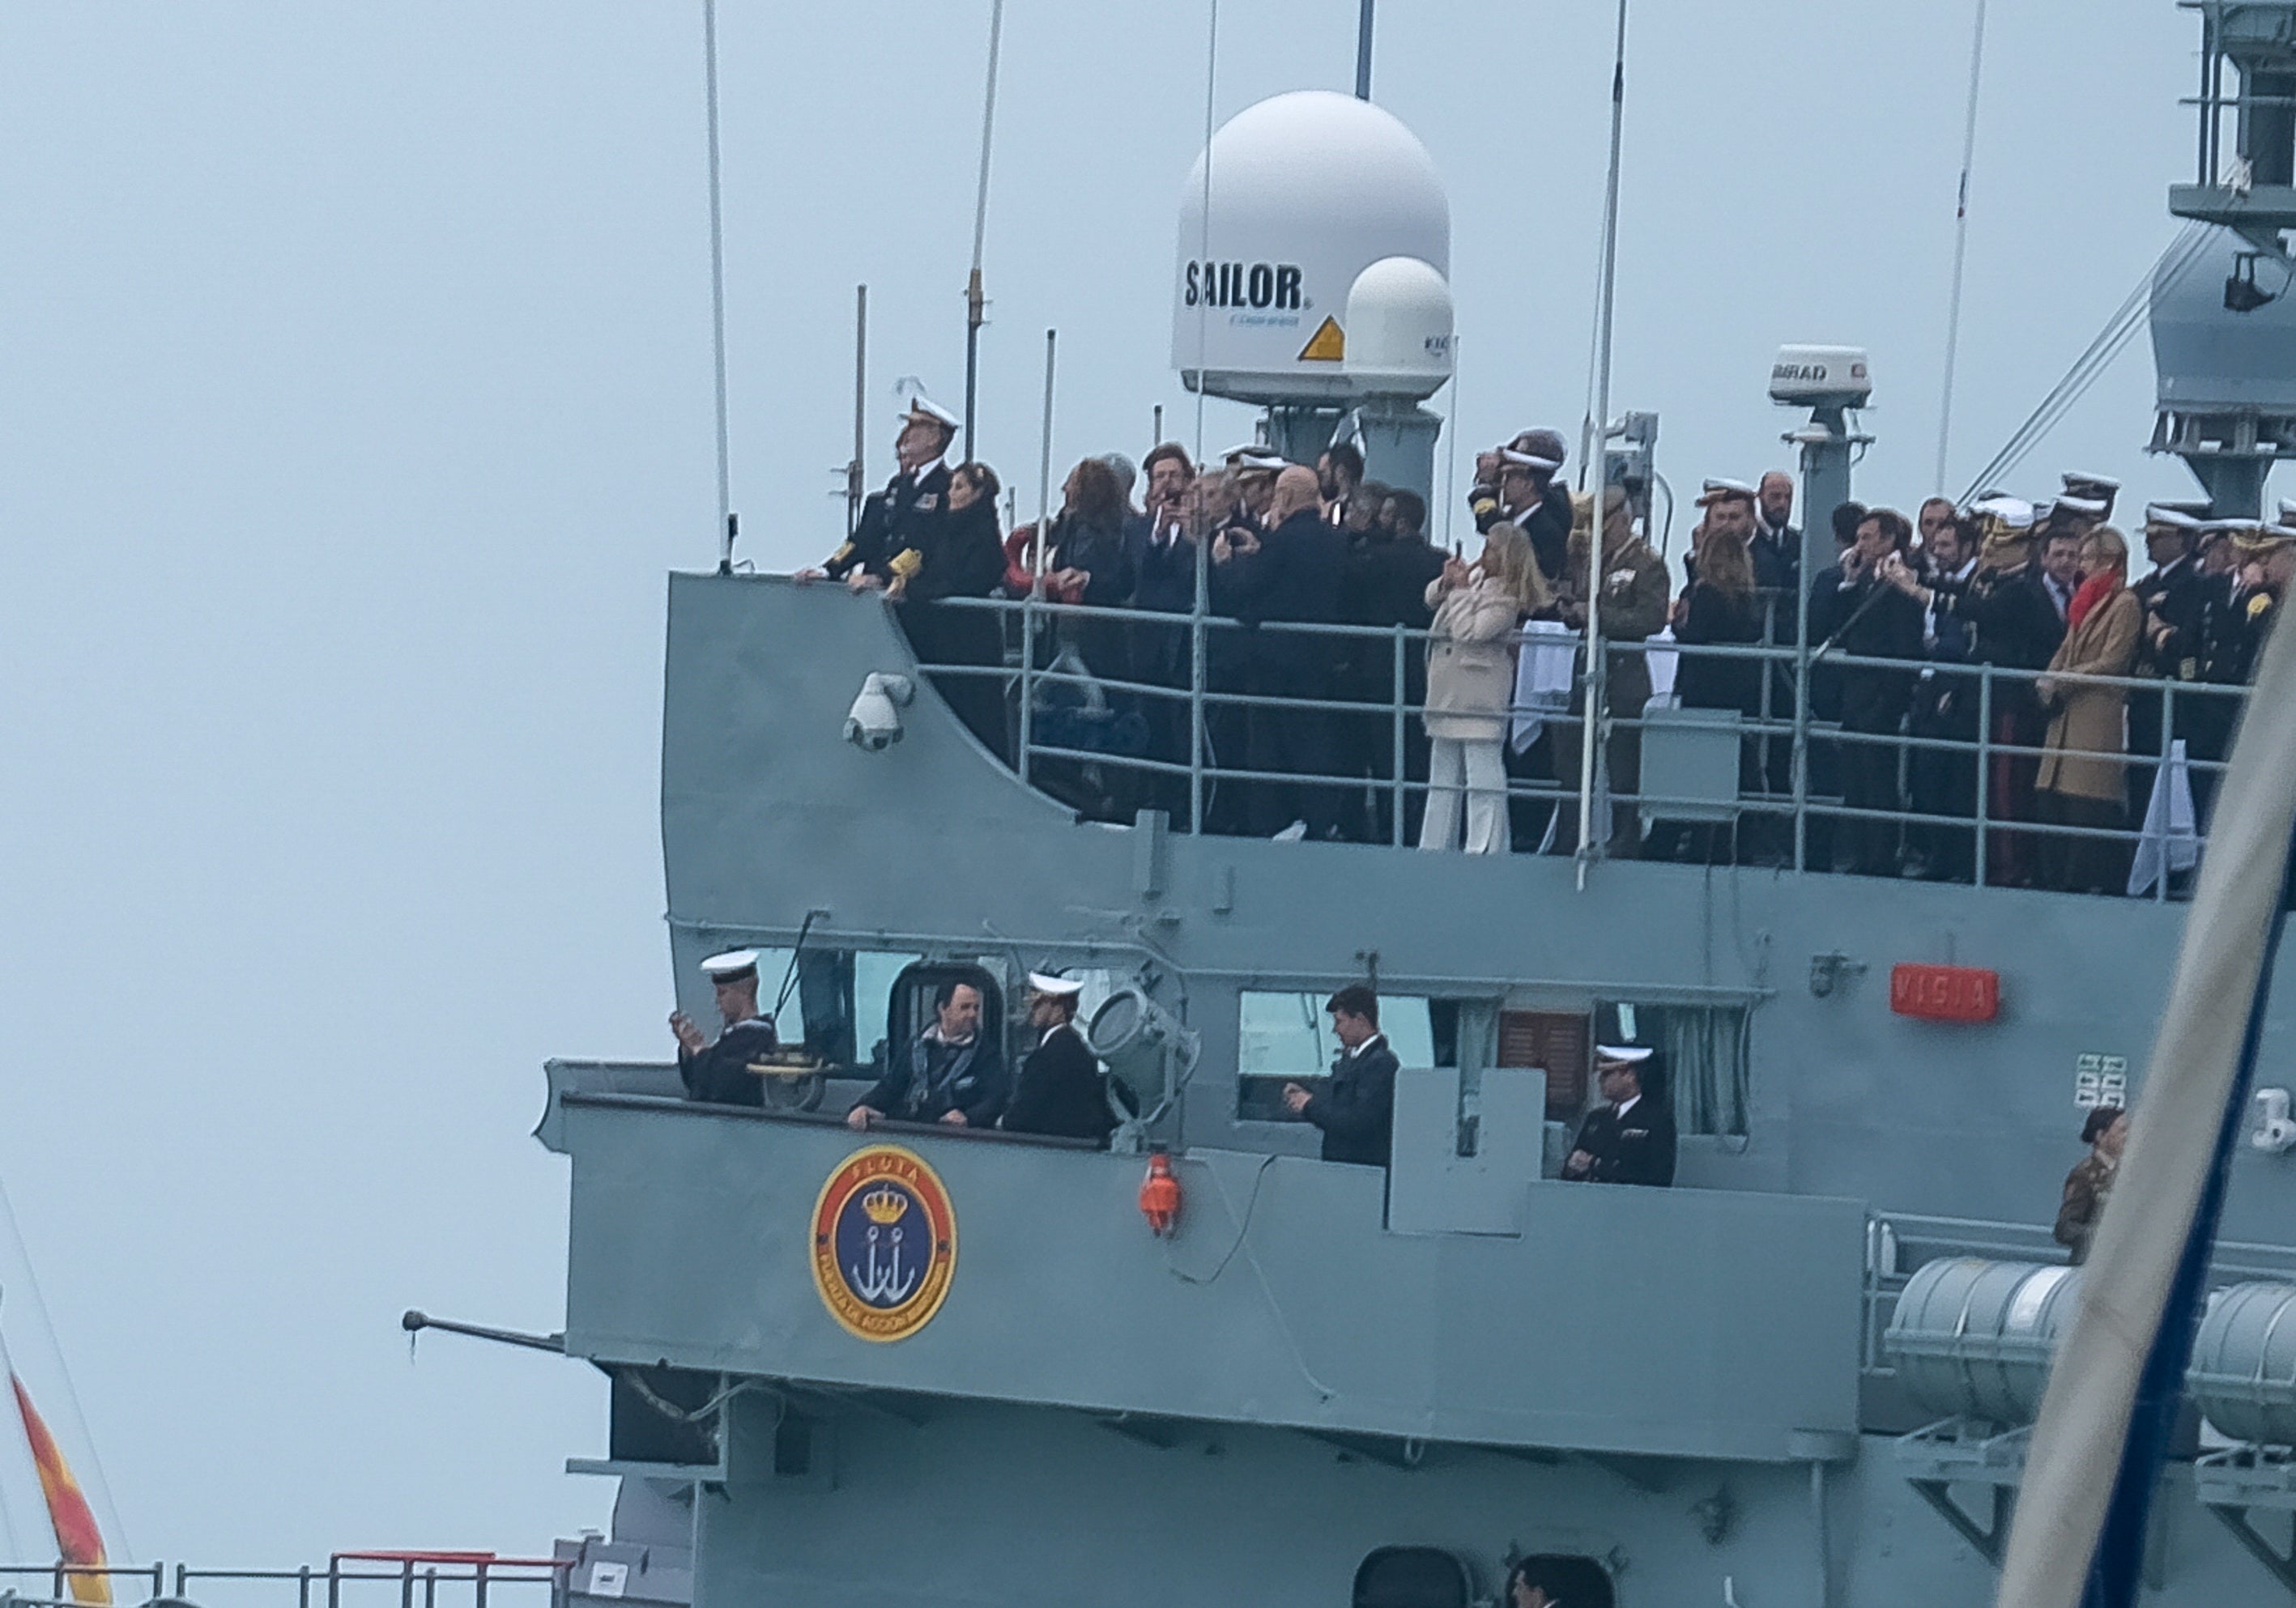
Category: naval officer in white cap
[1629,1138]
[719,1073]
[909,513]
[1061,1091]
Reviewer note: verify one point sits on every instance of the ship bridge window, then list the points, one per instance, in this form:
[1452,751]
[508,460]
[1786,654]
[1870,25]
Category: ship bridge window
[838,998]
[1282,1036]
[1704,1059]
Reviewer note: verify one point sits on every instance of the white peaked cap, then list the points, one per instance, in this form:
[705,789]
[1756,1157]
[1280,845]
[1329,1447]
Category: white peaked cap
[1508,454]
[732,963]
[1630,1055]
[924,407]
[1059,988]
[2011,511]
[2104,483]
[2088,506]
[2160,513]
[2288,511]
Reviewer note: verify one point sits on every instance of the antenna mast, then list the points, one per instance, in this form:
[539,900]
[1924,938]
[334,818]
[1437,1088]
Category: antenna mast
[975,302]
[726,526]
[1594,441]
[1363,52]
[853,465]
[1960,247]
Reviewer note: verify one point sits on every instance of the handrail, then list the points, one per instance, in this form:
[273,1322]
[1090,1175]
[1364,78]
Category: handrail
[1053,661]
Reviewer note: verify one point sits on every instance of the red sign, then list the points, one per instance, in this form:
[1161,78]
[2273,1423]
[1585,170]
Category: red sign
[1946,993]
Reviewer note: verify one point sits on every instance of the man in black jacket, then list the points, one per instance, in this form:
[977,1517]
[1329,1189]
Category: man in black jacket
[1356,1109]
[1061,1091]
[1864,618]
[719,1073]
[1629,1138]
[1385,585]
[1293,578]
[951,1073]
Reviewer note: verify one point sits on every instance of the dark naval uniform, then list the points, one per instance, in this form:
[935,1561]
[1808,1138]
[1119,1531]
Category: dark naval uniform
[1356,1109]
[720,1074]
[2177,594]
[935,1077]
[1633,1147]
[906,515]
[1061,1092]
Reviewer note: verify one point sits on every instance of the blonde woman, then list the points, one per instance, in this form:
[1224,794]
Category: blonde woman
[1470,684]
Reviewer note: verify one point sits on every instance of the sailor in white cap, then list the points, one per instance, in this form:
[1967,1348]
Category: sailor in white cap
[1629,1138]
[909,513]
[2084,486]
[719,1073]
[1516,483]
[1061,1091]
[2174,597]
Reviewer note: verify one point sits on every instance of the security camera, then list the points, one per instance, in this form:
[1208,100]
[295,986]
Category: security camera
[873,723]
[2274,1131]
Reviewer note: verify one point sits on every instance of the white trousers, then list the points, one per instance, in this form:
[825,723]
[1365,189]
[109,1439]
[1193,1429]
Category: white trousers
[1479,767]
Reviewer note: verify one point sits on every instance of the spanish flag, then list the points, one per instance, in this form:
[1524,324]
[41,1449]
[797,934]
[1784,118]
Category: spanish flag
[77,1542]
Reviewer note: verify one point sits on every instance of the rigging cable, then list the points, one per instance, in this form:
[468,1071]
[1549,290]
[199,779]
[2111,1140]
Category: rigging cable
[2127,320]
[1960,244]
[102,1493]
[718,290]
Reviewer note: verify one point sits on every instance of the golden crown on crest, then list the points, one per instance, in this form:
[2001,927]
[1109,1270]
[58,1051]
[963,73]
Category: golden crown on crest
[884,1204]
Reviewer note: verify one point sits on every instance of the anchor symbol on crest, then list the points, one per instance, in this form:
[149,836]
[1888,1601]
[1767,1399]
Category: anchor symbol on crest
[887,1284]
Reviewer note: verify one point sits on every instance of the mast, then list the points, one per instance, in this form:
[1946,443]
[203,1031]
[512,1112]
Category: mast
[725,525]
[855,471]
[1363,52]
[1593,439]
[975,302]
[1960,251]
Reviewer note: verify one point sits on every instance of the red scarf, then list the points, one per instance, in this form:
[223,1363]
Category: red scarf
[2093,591]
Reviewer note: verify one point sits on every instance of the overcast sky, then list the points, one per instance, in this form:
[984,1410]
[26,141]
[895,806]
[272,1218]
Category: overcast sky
[356,399]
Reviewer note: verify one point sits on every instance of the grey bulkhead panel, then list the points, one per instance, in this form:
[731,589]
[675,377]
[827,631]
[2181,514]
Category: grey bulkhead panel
[767,813]
[1678,1323]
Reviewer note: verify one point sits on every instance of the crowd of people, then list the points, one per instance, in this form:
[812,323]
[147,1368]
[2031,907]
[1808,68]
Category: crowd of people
[1298,728]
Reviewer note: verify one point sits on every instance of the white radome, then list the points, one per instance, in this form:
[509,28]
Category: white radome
[1399,325]
[1308,190]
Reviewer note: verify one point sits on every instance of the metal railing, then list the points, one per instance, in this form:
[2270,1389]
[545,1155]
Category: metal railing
[349,1579]
[1897,1244]
[1048,650]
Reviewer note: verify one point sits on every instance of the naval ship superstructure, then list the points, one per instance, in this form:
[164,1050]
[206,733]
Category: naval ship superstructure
[1801,1376]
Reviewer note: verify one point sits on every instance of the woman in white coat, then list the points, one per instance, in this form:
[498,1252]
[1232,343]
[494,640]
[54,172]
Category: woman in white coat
[1470,684]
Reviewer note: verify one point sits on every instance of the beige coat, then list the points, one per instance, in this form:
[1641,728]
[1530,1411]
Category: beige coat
[1470,660]
[2090,720]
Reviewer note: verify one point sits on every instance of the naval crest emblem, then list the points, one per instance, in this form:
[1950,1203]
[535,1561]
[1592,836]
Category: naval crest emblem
[884,1242]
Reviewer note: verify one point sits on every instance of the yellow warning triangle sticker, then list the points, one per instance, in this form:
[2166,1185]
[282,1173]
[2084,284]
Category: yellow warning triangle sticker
[1326,345]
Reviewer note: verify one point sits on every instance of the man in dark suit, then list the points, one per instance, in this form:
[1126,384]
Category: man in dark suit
[1293,578]
[1061,1091]
[1356,1109]
[1629,1138]
[908,512]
